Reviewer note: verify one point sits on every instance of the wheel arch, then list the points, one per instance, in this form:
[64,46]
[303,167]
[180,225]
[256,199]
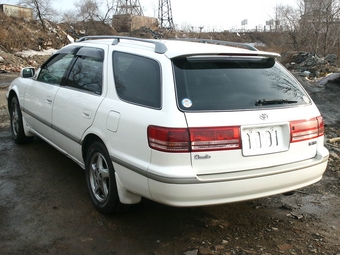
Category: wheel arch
[88,140]
[23,135]
[11,94]
[125,196]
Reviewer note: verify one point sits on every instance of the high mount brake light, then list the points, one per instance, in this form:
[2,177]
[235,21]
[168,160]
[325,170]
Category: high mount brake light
[194,139]
[306,129]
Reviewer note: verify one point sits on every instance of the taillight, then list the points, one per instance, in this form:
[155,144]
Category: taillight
[306,129]
[194,139]
[215,138]
[321,125]
[169,139]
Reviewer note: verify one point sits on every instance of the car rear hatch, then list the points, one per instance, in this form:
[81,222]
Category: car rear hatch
[224,146]
[244,114]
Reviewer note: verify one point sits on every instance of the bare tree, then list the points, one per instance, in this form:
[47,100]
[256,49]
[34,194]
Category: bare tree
[69,17]
[313,26]
[94,10]
[331,27]
[107,11]
[288,21]
[94,15]
[42,9]
[87,10]
[320,24]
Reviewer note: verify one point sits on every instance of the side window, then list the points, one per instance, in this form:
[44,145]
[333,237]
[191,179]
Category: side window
[137,79]
[53,71]
[86,74]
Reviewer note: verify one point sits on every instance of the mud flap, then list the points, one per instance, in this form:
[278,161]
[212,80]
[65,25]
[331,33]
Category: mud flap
[125,196]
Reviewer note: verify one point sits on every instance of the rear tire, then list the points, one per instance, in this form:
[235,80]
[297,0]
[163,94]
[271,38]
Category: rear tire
[101,181]
[17,128]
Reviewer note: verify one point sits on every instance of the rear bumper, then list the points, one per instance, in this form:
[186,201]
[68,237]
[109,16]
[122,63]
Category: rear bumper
[245,185]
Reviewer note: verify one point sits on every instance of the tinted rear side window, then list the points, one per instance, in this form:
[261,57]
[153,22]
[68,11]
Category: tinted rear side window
[137,79]
[234,83]
[86,74]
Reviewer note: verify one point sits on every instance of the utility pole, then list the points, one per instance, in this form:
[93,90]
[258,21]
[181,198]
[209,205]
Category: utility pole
[201,28]
[165,14]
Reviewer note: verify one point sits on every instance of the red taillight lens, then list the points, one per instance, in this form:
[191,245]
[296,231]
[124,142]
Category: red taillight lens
[215,138]
[169,139]
[306,129]
[194,139]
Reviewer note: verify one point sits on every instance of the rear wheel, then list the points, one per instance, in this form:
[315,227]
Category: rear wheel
[101,181]
[17,128]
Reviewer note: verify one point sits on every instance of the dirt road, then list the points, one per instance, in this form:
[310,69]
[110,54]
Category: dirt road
[45,209]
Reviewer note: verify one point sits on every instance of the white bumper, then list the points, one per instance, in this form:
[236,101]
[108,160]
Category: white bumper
[225,188]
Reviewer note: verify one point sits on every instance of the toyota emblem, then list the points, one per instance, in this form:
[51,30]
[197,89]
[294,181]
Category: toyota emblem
[263,116]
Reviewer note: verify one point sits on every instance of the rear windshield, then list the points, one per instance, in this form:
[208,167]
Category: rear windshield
[234,83]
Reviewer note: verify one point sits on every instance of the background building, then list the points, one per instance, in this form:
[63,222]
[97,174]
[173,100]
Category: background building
[16,11]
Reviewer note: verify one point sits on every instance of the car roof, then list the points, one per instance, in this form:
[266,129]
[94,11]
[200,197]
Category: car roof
[181,47]
[186,48]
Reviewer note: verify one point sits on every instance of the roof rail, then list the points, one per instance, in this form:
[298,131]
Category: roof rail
[159,46]
[242,45]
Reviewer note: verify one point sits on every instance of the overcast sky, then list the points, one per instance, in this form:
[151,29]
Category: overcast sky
[215,15]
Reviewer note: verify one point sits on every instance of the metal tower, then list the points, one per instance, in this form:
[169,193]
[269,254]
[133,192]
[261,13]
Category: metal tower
[165,14]
[132,7]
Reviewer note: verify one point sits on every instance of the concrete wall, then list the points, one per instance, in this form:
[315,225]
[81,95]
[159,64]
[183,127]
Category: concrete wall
[128,22]
[16,11]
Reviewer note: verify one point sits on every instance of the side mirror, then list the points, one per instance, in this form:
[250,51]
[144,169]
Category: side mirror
[27,72]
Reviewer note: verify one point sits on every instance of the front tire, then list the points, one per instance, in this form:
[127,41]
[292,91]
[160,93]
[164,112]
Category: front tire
[101,181]
[17,128]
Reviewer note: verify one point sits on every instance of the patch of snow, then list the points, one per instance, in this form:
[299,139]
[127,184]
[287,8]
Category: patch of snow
[30,53]
[330,77]
[70,38]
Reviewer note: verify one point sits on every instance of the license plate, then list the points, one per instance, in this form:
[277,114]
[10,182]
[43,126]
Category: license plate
[265,140]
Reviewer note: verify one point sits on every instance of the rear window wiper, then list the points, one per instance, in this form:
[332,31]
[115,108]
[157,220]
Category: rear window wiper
[275,101]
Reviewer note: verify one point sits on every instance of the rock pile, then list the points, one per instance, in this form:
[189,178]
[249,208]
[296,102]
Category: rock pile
[147,32]
[332,139]
[12,63]
[309,64]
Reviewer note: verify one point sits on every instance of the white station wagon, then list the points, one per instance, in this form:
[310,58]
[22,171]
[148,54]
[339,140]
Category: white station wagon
[184,123]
